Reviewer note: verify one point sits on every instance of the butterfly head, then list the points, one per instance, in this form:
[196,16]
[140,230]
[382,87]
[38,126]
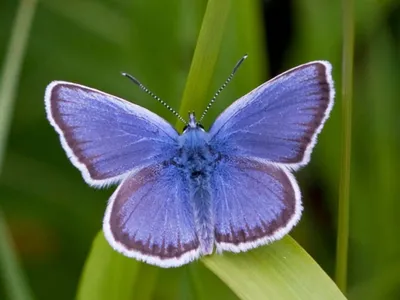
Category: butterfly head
[192,123]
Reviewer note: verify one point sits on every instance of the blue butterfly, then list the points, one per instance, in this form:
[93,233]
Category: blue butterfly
[182,195]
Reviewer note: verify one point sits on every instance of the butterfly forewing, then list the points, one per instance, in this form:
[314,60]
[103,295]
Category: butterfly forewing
[278,121]
[104,136]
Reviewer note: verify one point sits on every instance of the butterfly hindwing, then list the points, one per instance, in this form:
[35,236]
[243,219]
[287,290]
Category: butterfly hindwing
[150,217]
[254,203]
[107,137]
[280,120]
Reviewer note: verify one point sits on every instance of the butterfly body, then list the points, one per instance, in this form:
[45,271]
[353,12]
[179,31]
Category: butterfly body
[197,162]
[182,195]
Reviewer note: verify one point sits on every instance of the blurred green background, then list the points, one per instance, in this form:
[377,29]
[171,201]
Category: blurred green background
[53,215]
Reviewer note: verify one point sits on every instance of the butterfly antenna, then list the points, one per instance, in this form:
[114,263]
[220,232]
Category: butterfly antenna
[223,86]
[147,91]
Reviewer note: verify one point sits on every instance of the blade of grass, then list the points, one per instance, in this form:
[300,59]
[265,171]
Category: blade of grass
[15,284]
[204,280]
[344,189]
[12,67]
[146,282]
[282,270]
[205,56]
[107,274]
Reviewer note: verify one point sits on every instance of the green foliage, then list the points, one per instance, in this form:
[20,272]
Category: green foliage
[282,270]
[342,244]
[107,275]
[205,56]
[11,272]
[53,216]
[110,275]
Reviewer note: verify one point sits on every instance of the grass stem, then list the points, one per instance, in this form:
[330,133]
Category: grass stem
[12,66]
[344,188]
[205,57]
[15,284]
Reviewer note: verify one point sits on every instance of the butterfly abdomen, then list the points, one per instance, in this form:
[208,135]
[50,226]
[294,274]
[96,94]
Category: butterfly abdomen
[204,222]
[198,174]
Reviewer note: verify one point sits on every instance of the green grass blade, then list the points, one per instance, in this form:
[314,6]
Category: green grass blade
[146,282]
[207,285]
[205,56]
[107,274]
[344,189]
[12,67]
[282,270]
[15,283]
[13,278]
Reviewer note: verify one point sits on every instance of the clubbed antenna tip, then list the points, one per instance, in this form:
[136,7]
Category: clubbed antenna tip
[223,86]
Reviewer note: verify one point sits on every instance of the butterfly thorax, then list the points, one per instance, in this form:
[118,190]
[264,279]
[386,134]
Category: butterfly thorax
[195,154]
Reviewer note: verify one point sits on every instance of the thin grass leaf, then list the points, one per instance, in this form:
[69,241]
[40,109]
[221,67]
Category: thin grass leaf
[15,283]
[146,282]
[11,273]
[207,285]
[12,67]
[107,274]
[344,189]
[205,56]
[282,270]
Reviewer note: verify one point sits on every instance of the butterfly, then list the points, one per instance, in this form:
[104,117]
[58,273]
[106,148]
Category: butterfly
[180,196]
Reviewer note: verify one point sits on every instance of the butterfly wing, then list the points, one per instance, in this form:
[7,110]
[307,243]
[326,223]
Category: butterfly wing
[104,136]
[279,121]
[255,203]
[149,217]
